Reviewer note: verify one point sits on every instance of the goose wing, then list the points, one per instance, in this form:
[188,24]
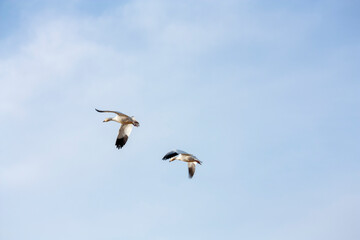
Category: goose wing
[180,151]
[124,133]
[170,155]
[191,167]
[117,113]
[173,154]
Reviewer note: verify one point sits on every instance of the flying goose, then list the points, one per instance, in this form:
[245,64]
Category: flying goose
[185,157]
[126,126]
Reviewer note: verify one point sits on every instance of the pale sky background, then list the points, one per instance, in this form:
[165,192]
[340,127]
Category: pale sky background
[265,93]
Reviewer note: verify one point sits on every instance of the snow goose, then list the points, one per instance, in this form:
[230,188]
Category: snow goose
[185,157]
[126,126]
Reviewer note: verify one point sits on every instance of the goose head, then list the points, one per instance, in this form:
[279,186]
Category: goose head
[135,123]
[107,119]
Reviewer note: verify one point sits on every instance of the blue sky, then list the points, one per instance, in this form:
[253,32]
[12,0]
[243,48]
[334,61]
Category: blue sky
[266,94]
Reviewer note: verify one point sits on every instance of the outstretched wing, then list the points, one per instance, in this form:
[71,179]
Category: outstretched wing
[170,155]
[124,133]
[173,154]
[117,113]
[180,151]
[191,167]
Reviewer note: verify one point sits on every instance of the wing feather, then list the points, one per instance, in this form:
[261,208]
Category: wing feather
[117,113]
[173,153]
[170,155]
[124,133]
[191,167]
[180,151]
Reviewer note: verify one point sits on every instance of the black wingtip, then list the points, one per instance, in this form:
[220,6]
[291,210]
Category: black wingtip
[97,110]
[120,142]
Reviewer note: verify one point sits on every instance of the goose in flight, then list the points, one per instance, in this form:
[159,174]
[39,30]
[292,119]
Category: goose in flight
[126,126]
[185,157]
